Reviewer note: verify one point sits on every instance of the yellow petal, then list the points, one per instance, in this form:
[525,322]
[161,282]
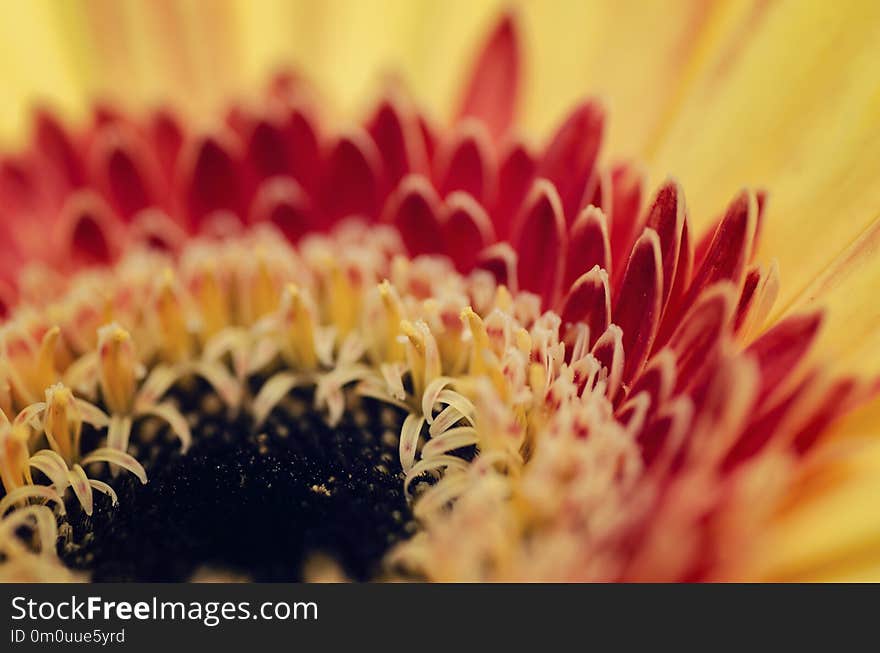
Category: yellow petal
[833,533]
[791,105]
[638,56]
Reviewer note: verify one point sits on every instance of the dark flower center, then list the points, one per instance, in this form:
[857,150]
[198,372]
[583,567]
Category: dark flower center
[259,502]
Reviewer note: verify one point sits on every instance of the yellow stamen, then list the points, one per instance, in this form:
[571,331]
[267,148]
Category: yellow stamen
[174,336]
[211,300]
[422,355]
[262,296]
[299,325]
[14,471]
[63,422]
[117,368]
[343,301]
[394,314]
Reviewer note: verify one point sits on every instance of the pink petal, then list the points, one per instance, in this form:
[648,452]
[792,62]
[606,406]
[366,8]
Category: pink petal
[467,230]
[638,302]
[588,245]
[540,241]
[569,158]
[492,91]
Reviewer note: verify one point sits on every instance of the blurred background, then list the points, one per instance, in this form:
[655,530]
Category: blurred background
[198,52]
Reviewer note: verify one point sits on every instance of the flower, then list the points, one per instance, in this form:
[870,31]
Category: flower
[575,382]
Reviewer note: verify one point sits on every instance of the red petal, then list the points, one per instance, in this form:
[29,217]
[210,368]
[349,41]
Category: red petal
[699,336]
[569,158]
[212,179]
[500,261]
[264,150]
[539,240]
[303,148]
[104,114]
[429,138]
[415,210]
[747,296]
[283,202]
[466,164]
[285,83]
[780,351]
[662,436]
[352,178]
[396,134]
[8,298]
[599,191]
[467,230]
[87,230]
[765,426]
[667,216]
[834,405]
[514,180]
[657,379]
[706,240]
[589,301]
[493,88]
[239,121]
[19,188]
[57,146]
[761,199]
[637,305]
[731,246]
[166,135]
[610,353]
[588,245]
[155,229]
[675,305]
[627,221]
[125,171]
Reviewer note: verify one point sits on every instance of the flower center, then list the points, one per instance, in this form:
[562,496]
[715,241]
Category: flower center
[258,502]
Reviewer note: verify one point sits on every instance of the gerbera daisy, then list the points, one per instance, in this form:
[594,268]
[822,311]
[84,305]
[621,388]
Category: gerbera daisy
[251,338]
